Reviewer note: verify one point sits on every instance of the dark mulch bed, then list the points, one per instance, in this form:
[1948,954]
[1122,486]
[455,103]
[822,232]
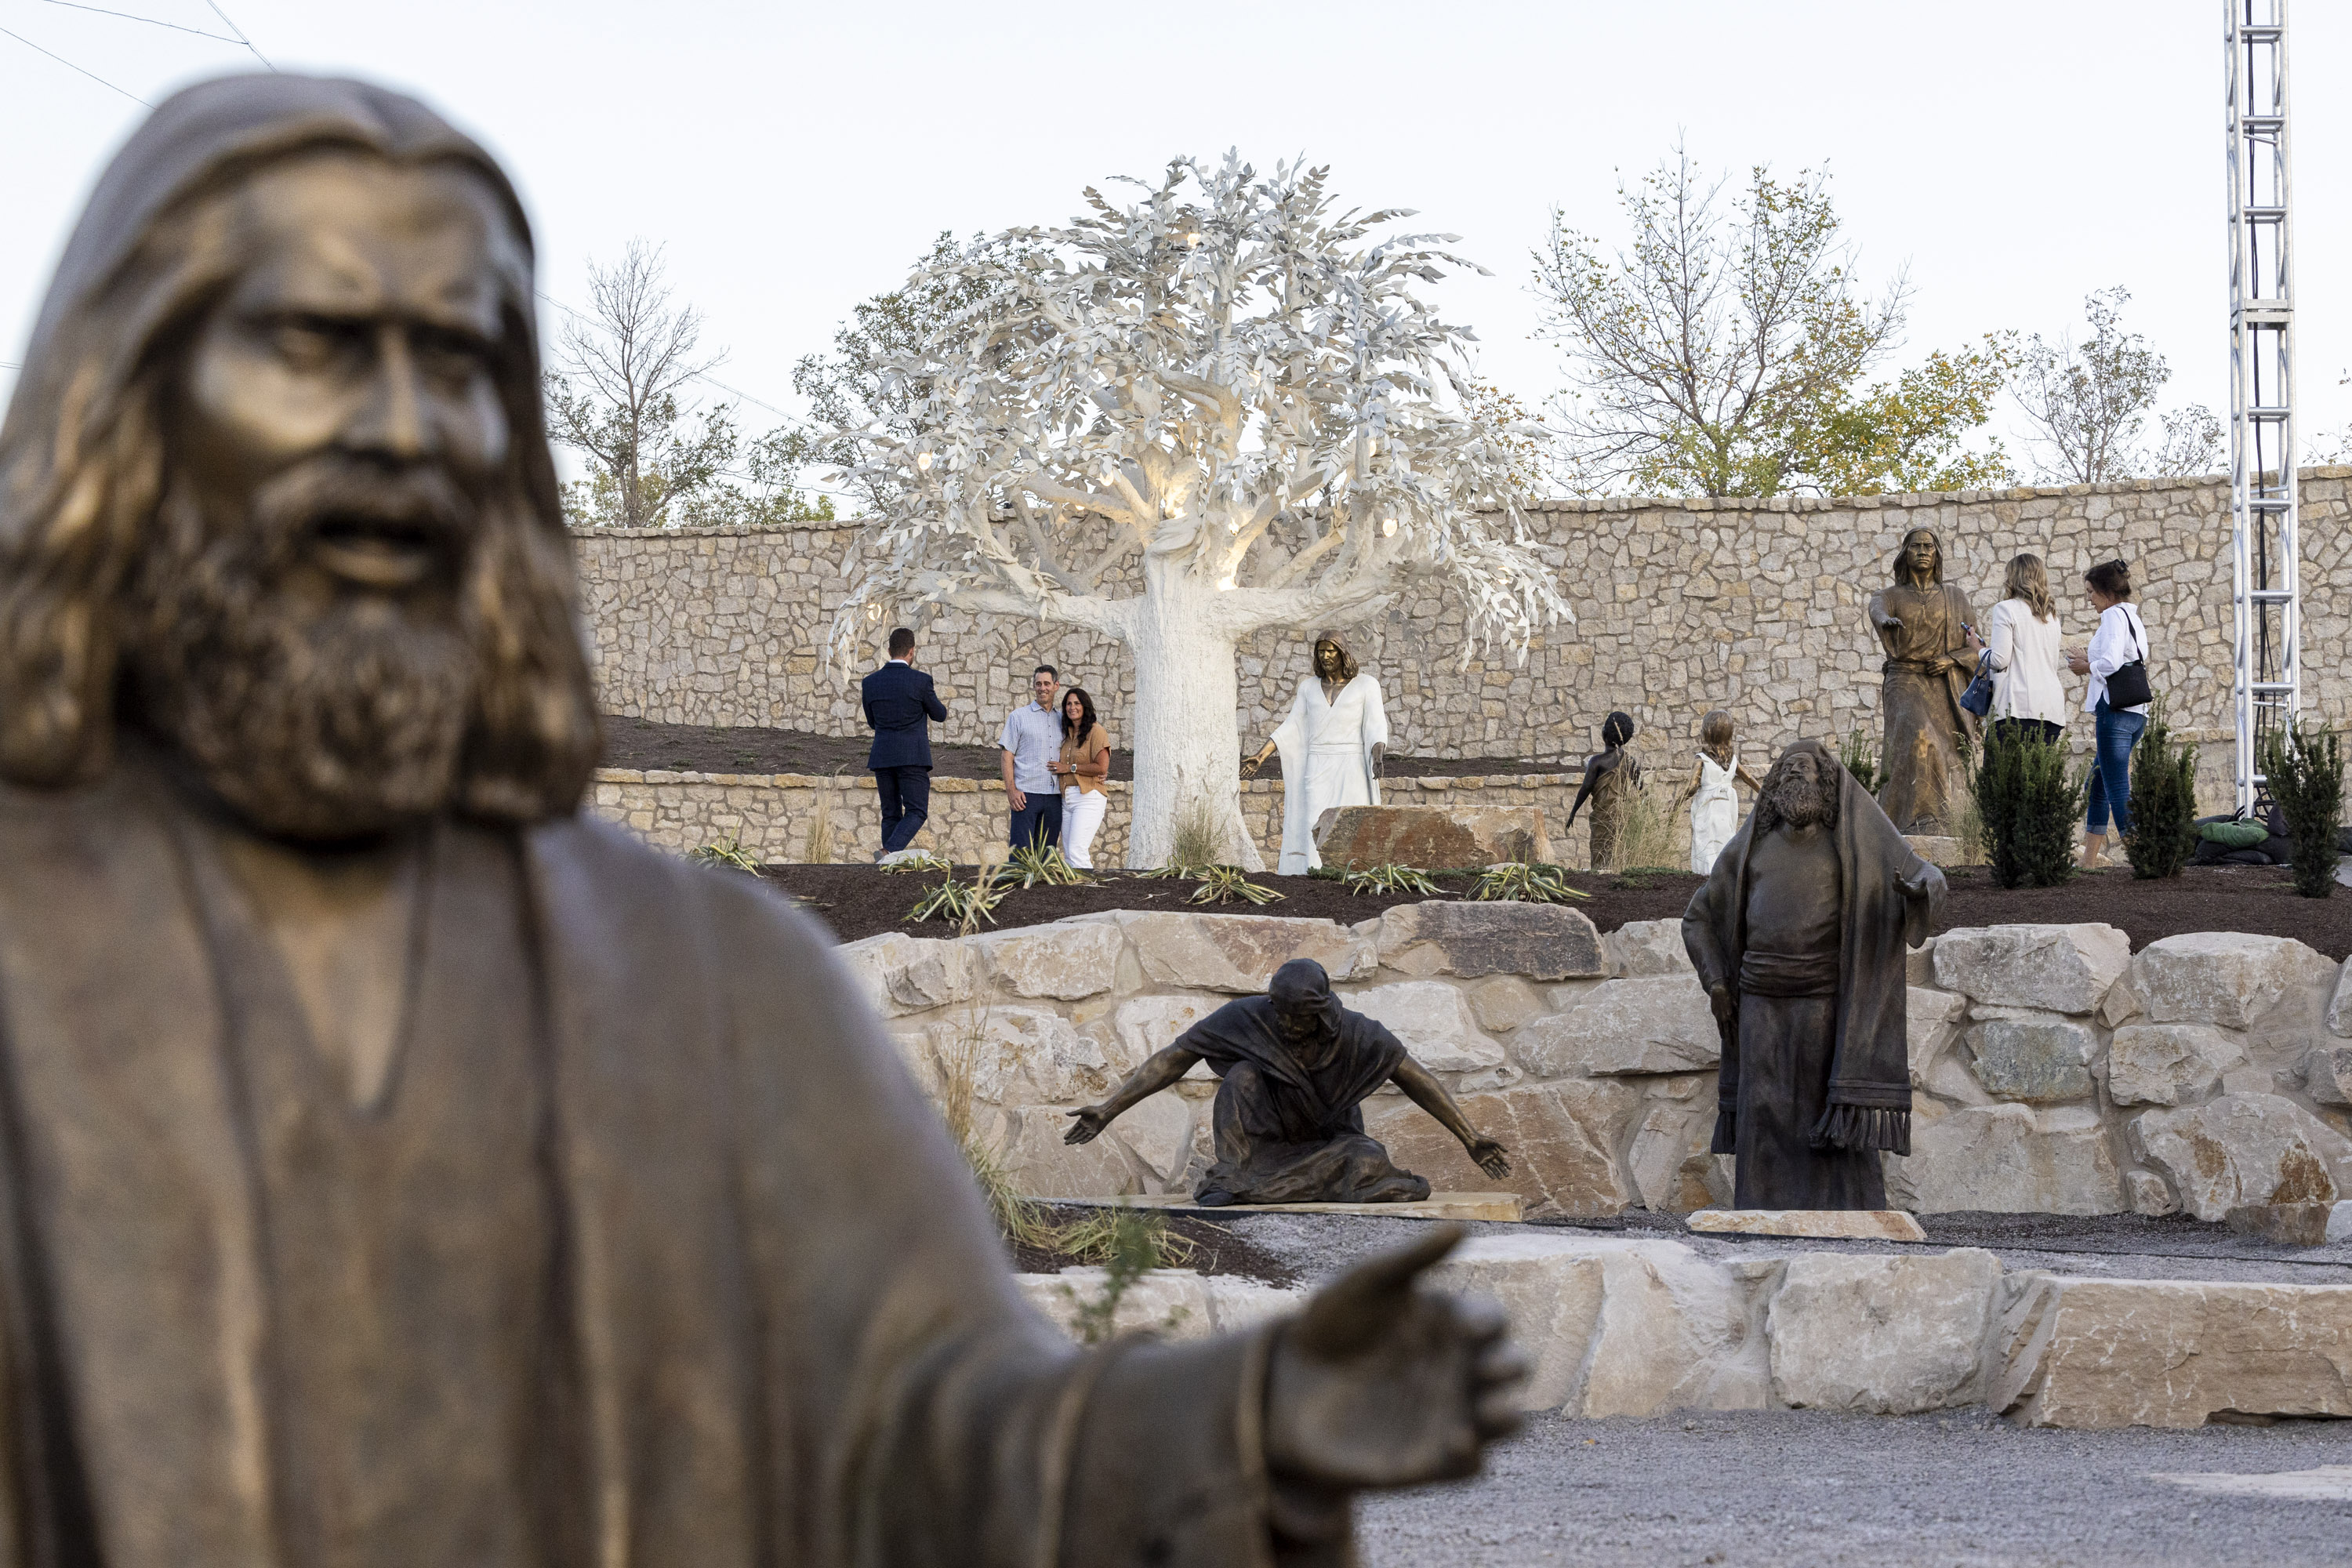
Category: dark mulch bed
[1215,1249]
[696,748]
[857,901]
[860,900]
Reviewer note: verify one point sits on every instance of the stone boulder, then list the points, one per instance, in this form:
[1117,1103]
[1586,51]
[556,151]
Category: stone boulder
[1010,1055]
[1146,1025]
[2038,1059]
[2339,1003]
[1551,1289]
[2229,979]
[1676,1332]
[2173,1352]
[1433,838]
[1672,1170]
[2245,1149]
[1174,1303]
[2006,1159]
[1647,947]
[1066,960]
[1885,1336]
[1657,1023]
[1239,953]
[1434,1021]
[1501,1003]
[2053,968]
[2328,1074]
[1931,1022]
[900,973]
[1560,1145]
[2165,1064]
[1537,941]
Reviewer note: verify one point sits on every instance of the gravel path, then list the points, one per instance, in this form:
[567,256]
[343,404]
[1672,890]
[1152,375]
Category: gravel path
[1964,1490]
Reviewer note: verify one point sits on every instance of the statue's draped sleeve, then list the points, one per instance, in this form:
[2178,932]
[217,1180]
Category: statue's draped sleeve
[917,1405]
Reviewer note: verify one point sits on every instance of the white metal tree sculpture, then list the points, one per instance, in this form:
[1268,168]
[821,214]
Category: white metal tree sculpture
[1180,422]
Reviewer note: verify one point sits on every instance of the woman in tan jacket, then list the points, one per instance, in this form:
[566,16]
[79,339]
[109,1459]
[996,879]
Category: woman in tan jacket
[1083,764]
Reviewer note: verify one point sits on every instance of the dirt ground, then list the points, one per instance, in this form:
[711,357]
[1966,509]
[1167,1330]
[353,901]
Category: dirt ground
[694,748]
[1217,1249]
[857,901]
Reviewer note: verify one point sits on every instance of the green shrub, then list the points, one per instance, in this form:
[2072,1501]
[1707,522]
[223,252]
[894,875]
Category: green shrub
[1524,882]
[2163,802]
[1859,756]
[1388,878]
[1223,884]
[2306,773]
[2028,804]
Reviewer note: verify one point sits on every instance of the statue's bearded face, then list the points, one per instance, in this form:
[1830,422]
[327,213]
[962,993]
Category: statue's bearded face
[1326,660]
[333,435]
[1799,791]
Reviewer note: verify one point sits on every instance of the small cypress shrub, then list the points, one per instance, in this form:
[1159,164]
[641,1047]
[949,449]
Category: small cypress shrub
[2163,802]
[2028,803]
[2305,769]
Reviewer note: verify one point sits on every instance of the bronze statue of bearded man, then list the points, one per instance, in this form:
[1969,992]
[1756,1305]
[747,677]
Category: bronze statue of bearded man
[397,1168]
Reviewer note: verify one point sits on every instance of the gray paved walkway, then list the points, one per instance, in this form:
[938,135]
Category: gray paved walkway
[1958,1491]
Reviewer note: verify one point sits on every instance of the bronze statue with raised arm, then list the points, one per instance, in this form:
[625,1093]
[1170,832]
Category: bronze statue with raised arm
[1294,1068]
[396,1166]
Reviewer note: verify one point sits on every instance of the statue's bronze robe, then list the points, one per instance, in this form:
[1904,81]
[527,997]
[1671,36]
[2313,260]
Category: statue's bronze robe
[1920,693]
[781,1329]
[1815,1080]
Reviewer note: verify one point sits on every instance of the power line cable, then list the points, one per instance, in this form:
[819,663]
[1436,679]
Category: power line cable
[71,66]
[240,34]
[150,21]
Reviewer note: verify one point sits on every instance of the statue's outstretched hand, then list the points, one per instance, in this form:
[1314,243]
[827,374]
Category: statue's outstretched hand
[1491,1156]
[1381,1384]
[1088,1122]
[1250,766]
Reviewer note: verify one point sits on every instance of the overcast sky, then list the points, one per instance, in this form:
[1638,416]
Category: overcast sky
[795,158]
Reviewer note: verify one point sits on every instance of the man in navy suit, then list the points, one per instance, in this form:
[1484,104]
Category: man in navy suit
[899,698]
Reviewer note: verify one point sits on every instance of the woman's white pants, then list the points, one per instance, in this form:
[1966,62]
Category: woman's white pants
[1082,814]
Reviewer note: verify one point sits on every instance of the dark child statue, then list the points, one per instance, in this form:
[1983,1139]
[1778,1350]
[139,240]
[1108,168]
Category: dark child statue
[1294,1068]
[1798,935]
[1922,624]
[397,1167]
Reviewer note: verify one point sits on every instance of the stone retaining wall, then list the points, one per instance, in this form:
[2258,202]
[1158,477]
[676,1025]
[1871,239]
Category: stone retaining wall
[2055,1070]
[1681,605]
[1642,1328]
[776,815]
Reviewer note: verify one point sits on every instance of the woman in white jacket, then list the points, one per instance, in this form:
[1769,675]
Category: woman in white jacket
[2027,662]
[2121,638]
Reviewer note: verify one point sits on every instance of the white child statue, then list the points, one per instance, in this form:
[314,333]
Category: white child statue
[1713,792]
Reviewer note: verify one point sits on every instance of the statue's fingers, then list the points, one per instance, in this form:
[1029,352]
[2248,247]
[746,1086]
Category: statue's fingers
[1497,1415]
[1364,1300]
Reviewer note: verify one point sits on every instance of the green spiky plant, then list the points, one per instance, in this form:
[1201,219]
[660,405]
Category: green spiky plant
[965,903]
[2163,802]
[1227,884]
[1524,882]
[2305,766]
[1035,862]
[1389,878]
[728,852]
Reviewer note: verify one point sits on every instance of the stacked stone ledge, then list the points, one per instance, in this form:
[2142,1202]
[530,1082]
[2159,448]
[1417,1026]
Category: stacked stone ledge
[2053,1070]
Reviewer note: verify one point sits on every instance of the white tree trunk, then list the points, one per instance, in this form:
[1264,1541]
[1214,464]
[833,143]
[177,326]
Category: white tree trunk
[1186,738]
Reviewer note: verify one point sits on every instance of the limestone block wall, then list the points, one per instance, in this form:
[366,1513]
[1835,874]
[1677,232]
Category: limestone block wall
[773,815]
[1681,605]
[2054,1069]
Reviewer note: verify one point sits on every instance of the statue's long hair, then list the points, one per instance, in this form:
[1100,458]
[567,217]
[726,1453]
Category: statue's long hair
[1903,573]
[1347,659]
[82,480]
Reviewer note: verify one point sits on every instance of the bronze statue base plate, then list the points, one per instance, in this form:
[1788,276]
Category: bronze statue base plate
[1859,1225]
[1437,1206]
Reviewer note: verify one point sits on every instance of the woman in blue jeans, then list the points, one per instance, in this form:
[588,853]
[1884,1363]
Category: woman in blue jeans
[2122,638]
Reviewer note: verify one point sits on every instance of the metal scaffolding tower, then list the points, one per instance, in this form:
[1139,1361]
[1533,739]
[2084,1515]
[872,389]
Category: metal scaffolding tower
[2265,557]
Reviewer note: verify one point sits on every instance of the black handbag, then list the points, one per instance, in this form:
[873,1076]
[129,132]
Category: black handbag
[2128,687]
[1977,698]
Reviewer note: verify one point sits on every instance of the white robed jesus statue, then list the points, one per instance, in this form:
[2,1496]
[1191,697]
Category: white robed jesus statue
[1331,748]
